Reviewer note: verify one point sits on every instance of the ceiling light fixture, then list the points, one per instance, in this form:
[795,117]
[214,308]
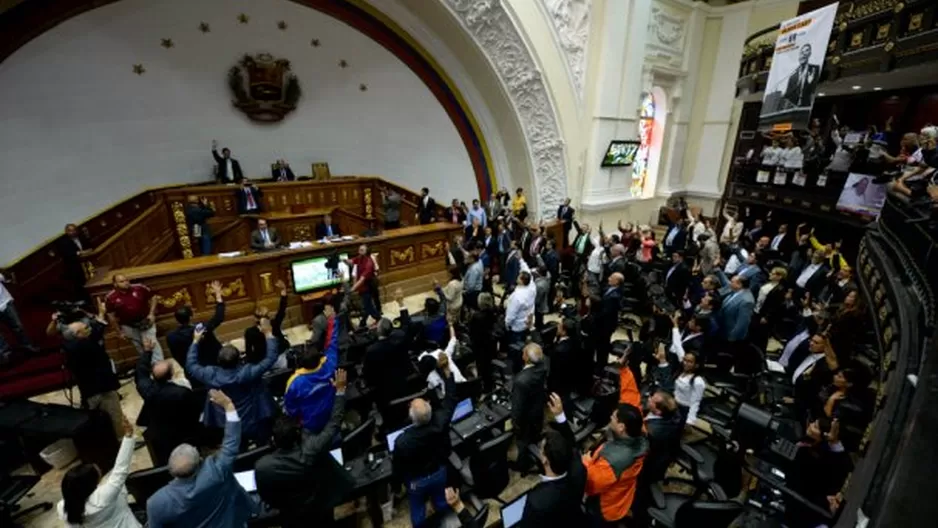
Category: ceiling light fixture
[877,88]
[857,87]
[821,94]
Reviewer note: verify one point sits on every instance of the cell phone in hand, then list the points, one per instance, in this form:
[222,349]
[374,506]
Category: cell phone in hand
[200,327]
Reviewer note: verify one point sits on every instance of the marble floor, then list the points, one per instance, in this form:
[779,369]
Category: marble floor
[48,488]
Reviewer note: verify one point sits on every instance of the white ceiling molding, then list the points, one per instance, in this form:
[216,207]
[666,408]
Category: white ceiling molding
[570,20]
[492,28]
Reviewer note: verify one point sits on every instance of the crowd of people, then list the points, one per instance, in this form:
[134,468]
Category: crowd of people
[702,303]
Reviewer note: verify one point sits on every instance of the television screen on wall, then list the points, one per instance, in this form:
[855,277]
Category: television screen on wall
[861,195]
[620,153]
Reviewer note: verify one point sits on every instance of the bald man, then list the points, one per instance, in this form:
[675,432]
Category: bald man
[421,452]
[204,492]
[170,409]
[88,362]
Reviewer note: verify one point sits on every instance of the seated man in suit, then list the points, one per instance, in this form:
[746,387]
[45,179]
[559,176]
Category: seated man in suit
[264,238]
[528,396]
[281,171]
[204,492]
[249,198]
[229,170]
[300,478]
[170,410]
[326,229]
[242,382]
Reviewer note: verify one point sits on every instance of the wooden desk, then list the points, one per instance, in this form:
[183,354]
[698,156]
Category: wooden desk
[410,253]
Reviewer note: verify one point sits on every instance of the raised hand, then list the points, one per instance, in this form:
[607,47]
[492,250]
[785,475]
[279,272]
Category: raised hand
[555,404]
[127,426]
[282,286]
[341,381]
[452,498]
[265,327]
[221,399]
[216,288]
[149,344]
[197,335]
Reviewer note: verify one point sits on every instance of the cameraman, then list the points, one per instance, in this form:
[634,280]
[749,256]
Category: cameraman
[90,366]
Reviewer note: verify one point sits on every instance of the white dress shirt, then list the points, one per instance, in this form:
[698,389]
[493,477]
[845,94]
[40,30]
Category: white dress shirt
[434,381]
[770,155]
[792,158]
[777,241]
[689,395]
[520,306]
[791,346]
[107,505]
[595,262]
[806,274]
[734,263]
[228,171]
[763,293]
[677,342]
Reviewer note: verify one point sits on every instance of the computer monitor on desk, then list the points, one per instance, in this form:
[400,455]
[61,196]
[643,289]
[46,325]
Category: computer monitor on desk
[511,514]
[463,409]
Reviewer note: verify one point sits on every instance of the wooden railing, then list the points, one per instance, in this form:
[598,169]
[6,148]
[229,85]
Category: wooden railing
[146,239]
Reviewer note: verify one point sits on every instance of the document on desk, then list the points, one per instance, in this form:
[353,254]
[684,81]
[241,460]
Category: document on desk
[347,237]
[246,480]
[230,254]
[774,366]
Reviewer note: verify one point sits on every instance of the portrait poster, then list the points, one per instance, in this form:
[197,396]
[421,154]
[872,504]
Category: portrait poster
[797,63]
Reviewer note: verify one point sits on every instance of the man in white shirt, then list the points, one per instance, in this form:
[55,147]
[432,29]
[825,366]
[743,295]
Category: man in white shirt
[735,261]
[229,170]
[10,318]
[732,229]
[443,359]
[770,154]
[814,275]
[520,308]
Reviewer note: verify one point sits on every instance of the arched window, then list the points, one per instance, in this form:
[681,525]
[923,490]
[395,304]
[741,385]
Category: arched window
[646,124]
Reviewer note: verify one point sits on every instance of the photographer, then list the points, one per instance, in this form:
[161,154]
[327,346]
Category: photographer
[91,368]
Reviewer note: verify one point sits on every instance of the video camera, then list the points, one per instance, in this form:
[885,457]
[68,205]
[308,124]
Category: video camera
[332,263]
[69,311]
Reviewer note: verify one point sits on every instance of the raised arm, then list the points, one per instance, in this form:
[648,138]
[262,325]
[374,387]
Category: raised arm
[145,384]
[111,488]
[697,393]
[225,457]
[334,328]
[251,372]
[314,443]
[219,315]
[281,310]
[194,370]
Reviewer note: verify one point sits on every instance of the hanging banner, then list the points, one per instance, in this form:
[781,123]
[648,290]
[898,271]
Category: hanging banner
[796,70]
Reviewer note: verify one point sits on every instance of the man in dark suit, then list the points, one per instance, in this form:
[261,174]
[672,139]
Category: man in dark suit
[455,213]
[608,319]
[70,249]
[386,364]
[565,216]
[204,492]
[300,478]
[528,396]
[242,382]
[249,198]
[781,245]
[229,170]
[564,361]
[665,426]
[180,338]
[170,410]
[281,171]
[618,264]
[677,278]
[813,277]
[326,229]
[676,237]
[803,82]
[264,238]
[555,500]
[426,207]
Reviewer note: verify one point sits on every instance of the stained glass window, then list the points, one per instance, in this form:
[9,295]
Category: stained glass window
[646,123]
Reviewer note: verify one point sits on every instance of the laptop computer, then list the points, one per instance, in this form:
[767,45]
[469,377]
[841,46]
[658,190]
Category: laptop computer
[392,437]
[512,512]
[463,409]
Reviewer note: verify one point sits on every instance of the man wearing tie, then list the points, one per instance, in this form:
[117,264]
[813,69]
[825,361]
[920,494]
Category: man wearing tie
[248,198]
[426,207]
[229,170]
[326,229]
[677,278]
[676,239]
[565,215]
[780,243]
[264,238]
[281,171]
[801,85]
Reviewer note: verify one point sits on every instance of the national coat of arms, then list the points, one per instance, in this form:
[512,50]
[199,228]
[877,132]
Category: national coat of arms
[270,91]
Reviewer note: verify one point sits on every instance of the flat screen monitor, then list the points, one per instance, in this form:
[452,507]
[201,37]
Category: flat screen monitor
[311,274]
[511,514]
[463,409]
[620,153]
[861,196]
[246,480]
[337,455]
[392,437]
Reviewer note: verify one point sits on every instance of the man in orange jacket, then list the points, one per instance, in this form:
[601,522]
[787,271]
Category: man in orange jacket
[628,388]
[612,469]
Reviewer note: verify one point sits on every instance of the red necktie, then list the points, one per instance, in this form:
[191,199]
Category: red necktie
[250,196]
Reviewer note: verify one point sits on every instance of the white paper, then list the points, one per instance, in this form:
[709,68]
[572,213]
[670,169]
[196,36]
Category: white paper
[230,254]
[774,366]
[347,237]
[246,480]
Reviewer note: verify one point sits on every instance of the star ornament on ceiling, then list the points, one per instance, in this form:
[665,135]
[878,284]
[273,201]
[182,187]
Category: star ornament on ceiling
[243,18]
[139,69]
[363,87]
[343,63]
[167,43]
[204,27]
[282,25]
[314,43]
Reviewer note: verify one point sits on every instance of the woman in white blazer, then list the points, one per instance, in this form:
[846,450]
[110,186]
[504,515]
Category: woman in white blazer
[89,502]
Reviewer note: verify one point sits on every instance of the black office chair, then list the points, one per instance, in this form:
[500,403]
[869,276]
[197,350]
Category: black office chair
[276,381]
[397,413]
[246,461]
[472,388]
[356,443]
[13,488]
[718,514]
[486,471]
[676,510]
[144,483]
